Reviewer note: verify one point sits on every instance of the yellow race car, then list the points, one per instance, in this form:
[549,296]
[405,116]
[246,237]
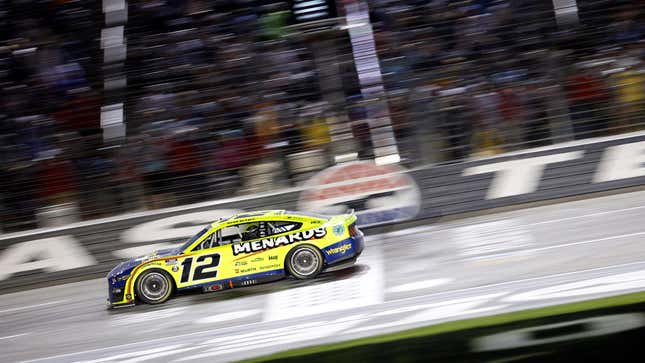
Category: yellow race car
[242,250]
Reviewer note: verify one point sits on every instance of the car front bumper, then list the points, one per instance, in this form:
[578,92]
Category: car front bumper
[111,305]
[116,296]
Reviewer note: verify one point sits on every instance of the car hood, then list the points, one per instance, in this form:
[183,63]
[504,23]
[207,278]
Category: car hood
[126,267]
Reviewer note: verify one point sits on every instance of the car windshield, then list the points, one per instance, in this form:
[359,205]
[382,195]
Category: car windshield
[194,238]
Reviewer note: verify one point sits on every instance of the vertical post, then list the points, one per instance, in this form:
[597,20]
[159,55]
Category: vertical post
[566,12]
[113,43]
[327,58]
[371,82]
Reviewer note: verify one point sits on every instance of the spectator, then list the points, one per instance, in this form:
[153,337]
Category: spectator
[629,90]
[216,93]
[57,180]
[587,96]
[184,165]
[156,175]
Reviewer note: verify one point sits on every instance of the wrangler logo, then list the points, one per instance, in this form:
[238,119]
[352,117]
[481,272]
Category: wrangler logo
[340,249]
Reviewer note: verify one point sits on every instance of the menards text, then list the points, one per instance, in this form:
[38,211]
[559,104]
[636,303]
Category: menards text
[267,243]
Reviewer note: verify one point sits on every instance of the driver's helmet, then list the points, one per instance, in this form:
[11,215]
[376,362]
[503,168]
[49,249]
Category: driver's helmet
[251,231]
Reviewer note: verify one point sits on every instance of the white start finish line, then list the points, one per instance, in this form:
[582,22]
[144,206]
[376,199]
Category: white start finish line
[492,239]
[363,290]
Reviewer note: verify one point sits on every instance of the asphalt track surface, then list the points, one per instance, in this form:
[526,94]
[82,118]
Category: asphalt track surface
[477,266]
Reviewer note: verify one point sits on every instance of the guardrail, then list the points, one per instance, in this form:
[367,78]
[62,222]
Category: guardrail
[379,194]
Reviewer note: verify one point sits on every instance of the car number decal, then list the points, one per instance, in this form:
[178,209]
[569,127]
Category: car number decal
[200,273]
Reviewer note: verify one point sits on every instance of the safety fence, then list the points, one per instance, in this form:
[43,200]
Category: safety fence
[219,98]
[381,195]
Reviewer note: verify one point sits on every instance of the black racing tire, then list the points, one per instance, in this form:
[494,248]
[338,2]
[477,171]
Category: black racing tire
[154,286]
[304,262]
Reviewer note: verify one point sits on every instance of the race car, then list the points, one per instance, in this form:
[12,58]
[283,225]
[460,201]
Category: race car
[244,249]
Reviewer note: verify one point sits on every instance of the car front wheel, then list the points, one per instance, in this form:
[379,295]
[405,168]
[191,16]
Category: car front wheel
[154,287]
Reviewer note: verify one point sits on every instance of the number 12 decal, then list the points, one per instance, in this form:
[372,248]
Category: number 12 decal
[200,274]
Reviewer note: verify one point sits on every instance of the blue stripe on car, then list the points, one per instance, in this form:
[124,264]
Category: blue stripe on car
[342,250]
[255,276]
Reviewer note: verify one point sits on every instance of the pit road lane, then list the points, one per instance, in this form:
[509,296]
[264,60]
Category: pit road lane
[477,266]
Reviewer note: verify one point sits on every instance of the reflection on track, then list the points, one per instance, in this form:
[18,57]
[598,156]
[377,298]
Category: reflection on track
[404,279]
[196,296]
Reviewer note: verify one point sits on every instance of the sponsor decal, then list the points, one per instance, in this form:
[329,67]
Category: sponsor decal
[378,193]
[248,282]
[245,220]
[338,230]
[268,267]
[172,261]
[273,258]
[240,263]
[257,259]
[250,269]
[339,250]
[268,243]
[215,287]
[282,229]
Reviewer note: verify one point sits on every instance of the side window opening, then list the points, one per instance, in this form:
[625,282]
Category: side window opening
[242,232]
[254,230]
[278,227]
[228,235]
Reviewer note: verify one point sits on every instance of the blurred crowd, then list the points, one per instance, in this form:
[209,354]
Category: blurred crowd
[224,98]
[49,101]
[487,76]
[221,96]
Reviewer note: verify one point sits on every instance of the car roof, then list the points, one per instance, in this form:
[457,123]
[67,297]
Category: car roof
[266,213]
[257,213]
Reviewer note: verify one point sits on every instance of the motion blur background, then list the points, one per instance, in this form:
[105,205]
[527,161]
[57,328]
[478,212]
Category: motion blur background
[109,107]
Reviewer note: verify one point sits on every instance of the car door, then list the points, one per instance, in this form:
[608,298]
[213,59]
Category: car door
[201,264]
[264,249]
[230,239]
[211,258]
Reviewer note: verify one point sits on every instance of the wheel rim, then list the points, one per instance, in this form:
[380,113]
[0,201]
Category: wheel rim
[304,262]
[154,286]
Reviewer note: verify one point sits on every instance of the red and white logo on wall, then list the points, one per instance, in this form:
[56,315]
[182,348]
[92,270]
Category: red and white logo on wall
[378,193]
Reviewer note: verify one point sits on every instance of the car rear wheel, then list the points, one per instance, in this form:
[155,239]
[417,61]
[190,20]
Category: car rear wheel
[154,287]
[305,262]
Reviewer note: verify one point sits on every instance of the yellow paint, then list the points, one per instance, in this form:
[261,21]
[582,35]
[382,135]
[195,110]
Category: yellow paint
[234,266]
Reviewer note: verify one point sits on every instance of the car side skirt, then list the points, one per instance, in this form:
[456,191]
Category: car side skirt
[246,280]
